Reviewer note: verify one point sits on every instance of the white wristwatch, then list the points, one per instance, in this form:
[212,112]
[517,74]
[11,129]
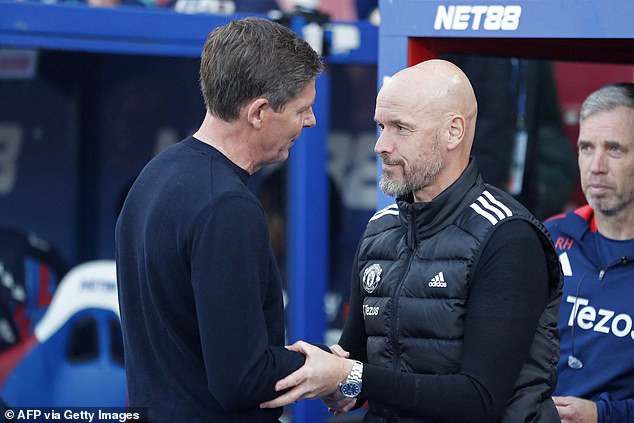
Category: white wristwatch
[351,387]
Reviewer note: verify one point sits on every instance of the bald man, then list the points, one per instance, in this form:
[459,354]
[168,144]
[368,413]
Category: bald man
[455,288]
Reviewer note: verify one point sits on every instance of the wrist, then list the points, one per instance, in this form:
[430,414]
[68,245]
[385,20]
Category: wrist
[351,385]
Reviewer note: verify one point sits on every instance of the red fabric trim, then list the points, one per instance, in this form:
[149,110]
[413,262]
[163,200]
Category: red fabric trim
[22,321]
[587,214]
[44,296]
[11,358]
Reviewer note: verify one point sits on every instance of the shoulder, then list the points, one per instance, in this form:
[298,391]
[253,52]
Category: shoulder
[574,221]
[489,210]
[384,219]
[495,212]
[237,205]
[492,206]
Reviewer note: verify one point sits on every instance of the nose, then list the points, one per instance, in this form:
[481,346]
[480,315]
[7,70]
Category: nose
[310,120]
[382,144]
[598,162]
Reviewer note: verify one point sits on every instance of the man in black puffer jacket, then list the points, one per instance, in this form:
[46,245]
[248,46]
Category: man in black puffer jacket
[456,287]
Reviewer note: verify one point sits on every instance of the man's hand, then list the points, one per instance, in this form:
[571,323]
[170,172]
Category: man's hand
[320,375]
[338,404]
[576,410]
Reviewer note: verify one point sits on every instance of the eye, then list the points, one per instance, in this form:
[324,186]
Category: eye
[615,149]
[584,146]
[380,126]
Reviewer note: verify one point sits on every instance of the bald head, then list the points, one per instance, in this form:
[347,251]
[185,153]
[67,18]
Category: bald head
[437,88]
[427,116]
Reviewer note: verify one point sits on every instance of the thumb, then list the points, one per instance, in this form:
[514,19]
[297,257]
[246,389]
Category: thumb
[339,352]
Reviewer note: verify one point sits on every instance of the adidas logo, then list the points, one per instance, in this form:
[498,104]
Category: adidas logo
[438,281]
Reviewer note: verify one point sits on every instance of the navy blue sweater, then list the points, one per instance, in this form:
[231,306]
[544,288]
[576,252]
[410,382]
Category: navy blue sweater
[200,292]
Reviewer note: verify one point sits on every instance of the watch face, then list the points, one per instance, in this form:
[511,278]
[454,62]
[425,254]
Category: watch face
[350,389]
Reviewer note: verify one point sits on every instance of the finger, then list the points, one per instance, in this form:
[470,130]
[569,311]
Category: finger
[345,404]
[291,380]
[335,412]
[305,348]
[561,400]
[350,405]
[343,407]
[338,351]
[297,346]
[294,379]
[290,397]
[331,402]
[564,413]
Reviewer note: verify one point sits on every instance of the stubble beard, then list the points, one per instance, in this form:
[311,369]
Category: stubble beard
[414,179]
[611,203]
[608,206]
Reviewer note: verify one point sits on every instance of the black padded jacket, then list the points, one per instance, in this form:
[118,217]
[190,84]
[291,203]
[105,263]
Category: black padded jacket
[416,263]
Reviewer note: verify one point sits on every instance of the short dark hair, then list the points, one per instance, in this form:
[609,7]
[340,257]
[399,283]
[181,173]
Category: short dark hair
[607,98]
[254,57]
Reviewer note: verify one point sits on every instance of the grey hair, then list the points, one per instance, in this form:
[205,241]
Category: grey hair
[607,98]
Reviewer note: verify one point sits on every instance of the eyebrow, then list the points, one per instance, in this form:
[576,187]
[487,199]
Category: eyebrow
[611,144]
[607,144]
[396,122]
[304,107]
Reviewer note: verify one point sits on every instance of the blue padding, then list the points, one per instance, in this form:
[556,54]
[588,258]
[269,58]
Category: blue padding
[46,376]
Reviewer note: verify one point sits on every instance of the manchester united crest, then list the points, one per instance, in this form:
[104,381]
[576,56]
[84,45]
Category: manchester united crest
[371,277]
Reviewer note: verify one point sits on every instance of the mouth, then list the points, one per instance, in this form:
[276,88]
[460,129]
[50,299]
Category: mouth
[387,162]
[391,164]
[598,189]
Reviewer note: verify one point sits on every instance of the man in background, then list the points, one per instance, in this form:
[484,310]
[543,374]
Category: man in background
[595,244]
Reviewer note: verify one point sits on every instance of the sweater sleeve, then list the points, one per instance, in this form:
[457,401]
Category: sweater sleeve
[508,295]
[614,411]
[239,305]
[353,337]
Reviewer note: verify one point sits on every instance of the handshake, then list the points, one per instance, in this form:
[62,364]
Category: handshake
[334,378]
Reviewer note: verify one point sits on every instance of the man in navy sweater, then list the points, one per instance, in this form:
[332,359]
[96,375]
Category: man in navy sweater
[199,289]
[595,244]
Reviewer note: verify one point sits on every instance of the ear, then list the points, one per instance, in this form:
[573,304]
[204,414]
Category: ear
[255,110]
[457,129]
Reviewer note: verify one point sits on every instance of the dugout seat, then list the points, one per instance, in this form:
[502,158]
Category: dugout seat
[75,355]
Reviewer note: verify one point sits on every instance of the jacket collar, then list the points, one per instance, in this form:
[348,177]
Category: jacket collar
[433,216]
[579,222]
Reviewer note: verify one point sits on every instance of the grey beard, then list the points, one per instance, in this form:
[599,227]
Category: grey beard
[393,188]
[606,209]
[417,181]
